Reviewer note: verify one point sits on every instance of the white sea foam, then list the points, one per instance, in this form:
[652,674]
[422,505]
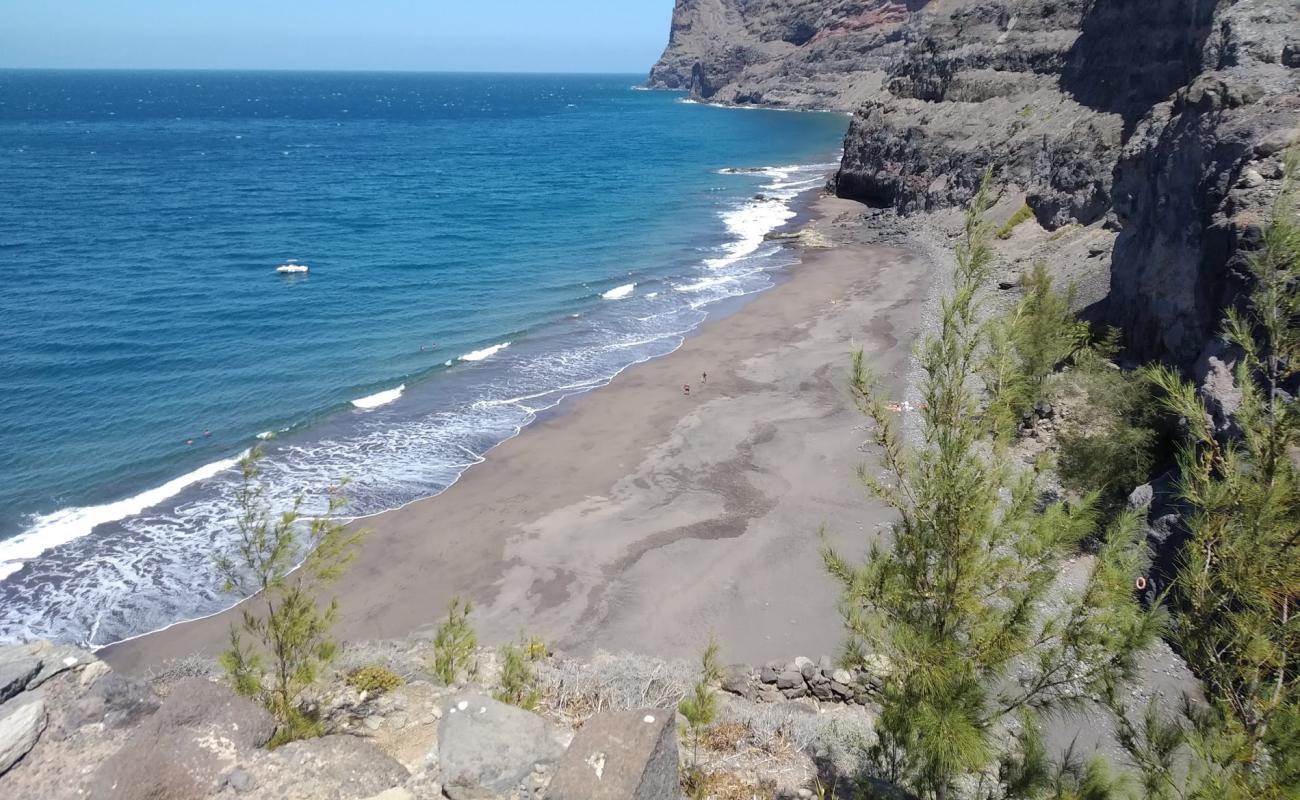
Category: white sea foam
[63,526]
[619,292]
[485,353]
[159,569]
[379,398]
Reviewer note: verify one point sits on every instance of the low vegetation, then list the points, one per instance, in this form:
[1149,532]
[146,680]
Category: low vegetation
[1021,350]
[373,680]
[700,710]
[281,642]
[1109,442]
[1023,213]
[454,644]
[518,681]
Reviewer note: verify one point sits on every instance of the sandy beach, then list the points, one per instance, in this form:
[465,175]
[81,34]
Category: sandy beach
[638,518]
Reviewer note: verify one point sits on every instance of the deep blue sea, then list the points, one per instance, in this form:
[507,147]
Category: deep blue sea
[480,247]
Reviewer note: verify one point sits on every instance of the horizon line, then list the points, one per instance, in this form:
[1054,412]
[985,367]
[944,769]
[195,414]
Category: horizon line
[323,70]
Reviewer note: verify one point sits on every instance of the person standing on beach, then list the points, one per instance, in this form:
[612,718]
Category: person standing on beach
[686,389]
[704,377]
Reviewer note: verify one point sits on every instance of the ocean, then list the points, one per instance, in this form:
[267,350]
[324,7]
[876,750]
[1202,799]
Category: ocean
[480,247]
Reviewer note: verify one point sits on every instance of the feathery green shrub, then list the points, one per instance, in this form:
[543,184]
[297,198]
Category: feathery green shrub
[1236,591]
[956,598]
[281,642]
[1023,348]
[454,644]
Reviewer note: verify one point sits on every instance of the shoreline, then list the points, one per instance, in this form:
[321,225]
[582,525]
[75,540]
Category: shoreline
[598,543]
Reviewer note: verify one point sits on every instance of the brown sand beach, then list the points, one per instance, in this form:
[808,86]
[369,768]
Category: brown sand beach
[641,518]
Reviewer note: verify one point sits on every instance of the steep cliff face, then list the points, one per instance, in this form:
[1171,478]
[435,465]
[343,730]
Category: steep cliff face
[1162,117]
[1194,182]
[789,53]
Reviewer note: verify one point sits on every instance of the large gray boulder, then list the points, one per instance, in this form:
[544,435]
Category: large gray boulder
[629,755]
[17,669]
[331,766]
[21,723]
[198,734]
[114,700]
[482,742]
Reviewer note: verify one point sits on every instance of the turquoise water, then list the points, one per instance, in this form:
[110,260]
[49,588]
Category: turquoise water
[479,248]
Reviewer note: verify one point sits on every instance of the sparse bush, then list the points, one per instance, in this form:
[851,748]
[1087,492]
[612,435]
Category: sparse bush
[1109,442]
[1024,347]
[700,709]
[1023,213]
[282,639]
[518,680]
[373,680]
[454,643]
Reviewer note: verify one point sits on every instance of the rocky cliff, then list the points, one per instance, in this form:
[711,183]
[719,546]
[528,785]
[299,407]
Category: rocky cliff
[1160,119]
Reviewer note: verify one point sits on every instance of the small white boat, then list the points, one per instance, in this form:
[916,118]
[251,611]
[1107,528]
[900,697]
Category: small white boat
[292,268]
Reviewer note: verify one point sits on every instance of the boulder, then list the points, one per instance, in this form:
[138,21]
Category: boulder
[338,766]
[482,742]
[789,680]
[17,670]
[1291,54]
[770,694]
[809,672]
[194,739]
[21,725]
[795,692]
[842,676]
[1141,497]
[736,680]
[114,700]
[769,672]
[620,756]
[800,662]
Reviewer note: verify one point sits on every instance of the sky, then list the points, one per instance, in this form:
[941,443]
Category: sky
[623,36]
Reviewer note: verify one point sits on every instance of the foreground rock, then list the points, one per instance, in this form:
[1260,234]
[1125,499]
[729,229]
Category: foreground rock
[20,726]
[489,745]
[182,750]
[620,756]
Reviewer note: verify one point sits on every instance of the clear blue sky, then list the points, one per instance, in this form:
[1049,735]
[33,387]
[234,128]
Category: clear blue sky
[469,35]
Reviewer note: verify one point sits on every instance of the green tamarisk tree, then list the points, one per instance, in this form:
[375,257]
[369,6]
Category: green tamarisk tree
[1236,590]
[957,600]
[281,641]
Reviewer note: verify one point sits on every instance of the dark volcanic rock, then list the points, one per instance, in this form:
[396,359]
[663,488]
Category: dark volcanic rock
[1163,117]
[186,746]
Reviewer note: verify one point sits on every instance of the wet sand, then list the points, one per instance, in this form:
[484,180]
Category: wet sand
[638,518]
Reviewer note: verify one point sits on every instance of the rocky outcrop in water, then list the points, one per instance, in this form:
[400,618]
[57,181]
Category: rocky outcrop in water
[1163,118]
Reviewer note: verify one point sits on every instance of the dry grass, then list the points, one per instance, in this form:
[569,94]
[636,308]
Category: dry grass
[575,690]
[720,785]
[726,737]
